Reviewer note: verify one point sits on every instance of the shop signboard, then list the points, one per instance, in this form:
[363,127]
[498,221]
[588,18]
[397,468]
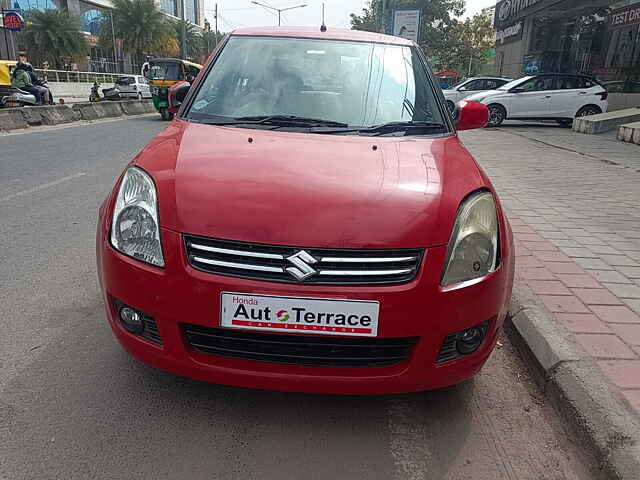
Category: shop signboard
[508,11]
[12,21]
[509,34]
[406,24]
[624,17]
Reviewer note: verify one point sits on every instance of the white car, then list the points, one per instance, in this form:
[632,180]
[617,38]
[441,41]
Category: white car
[544,97]
[133,86]
[471,86]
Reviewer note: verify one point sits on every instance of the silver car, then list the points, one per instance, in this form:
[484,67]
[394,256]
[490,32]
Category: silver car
[135,86]
[470,86]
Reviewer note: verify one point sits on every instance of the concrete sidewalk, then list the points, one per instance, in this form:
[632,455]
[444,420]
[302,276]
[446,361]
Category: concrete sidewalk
[574,203]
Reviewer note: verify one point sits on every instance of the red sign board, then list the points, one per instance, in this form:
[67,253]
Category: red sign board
[13,21]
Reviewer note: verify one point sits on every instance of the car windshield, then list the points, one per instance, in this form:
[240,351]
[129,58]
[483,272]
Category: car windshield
[164,71]
[513,83]
[346,83]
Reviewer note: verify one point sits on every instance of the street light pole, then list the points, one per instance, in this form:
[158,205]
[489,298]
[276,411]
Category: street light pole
[113,37]
[279,10]
[183,33]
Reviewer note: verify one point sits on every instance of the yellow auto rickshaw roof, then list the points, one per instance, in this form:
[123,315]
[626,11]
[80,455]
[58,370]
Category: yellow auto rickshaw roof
[5,74]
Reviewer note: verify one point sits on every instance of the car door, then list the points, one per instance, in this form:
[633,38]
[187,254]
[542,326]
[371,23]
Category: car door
[531,98]
[566,98]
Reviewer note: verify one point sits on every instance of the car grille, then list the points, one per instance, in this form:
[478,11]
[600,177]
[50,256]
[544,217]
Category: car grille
[273,263]
[151,331]
[313,351]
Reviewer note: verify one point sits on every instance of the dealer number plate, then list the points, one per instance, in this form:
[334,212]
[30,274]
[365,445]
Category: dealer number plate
[302,314]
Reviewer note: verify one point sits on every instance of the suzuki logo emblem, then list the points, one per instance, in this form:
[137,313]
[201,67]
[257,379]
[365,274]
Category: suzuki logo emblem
[302,269]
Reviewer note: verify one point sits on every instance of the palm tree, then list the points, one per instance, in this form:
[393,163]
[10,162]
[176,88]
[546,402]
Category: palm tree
[51,35]
[192,37]
[140,25]
[208,41]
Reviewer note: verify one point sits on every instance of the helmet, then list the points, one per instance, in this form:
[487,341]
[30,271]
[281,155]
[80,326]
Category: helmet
[28,67]
[21,66]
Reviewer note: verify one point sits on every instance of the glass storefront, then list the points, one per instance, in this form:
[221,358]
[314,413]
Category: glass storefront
[597,38]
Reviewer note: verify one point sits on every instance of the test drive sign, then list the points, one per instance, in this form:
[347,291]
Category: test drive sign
[13,21]
[624,17]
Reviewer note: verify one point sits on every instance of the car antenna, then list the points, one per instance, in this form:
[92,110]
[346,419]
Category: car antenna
[323,27]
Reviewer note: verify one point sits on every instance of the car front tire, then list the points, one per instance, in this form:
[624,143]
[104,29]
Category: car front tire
[497,115]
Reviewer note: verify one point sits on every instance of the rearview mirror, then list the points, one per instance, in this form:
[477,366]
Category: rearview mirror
[177,94]
[471,115]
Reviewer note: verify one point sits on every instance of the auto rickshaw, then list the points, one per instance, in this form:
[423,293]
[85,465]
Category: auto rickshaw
[11,96]
[165,72]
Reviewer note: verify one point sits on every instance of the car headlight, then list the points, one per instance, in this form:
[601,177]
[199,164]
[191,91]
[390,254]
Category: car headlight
[473,248]
[135,229]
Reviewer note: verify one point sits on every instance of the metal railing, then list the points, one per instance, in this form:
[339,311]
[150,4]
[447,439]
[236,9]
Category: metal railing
[79,77]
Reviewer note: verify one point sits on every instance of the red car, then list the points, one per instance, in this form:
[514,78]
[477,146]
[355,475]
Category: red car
[309,222]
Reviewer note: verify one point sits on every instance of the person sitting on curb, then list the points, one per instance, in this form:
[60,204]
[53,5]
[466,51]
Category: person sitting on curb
[21,79]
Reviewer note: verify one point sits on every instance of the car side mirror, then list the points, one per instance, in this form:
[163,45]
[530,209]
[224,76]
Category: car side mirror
[177,94]
[517,90]
[471,115]
[463,89]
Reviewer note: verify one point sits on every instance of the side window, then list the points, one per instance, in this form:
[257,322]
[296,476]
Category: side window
[585,83]
[538,84]
[474,85]
[490,84]
[500,83]
[568,83]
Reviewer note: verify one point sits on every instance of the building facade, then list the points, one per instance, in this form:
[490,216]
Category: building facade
[600,38]
[91,14]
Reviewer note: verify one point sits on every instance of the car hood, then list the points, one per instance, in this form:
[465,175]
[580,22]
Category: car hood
[297,189]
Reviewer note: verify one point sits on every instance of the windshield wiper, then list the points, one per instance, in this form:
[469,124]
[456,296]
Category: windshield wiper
[389,127]
[279,120]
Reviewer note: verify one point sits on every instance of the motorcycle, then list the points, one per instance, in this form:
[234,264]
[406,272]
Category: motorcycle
[112,93]
[14,97]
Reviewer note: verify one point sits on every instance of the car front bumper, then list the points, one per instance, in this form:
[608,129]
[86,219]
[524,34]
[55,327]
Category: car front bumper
[178,295]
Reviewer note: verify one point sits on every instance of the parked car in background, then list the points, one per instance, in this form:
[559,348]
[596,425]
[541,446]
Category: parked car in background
[309,221]
[544,97]
[470,86]
[135,86]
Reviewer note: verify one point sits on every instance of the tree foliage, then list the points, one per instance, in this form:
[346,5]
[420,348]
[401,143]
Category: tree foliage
[140,25]
[447,42]
[191,34]
[52,35]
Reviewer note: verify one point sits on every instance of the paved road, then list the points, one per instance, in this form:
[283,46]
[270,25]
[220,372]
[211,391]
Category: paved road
[73,405]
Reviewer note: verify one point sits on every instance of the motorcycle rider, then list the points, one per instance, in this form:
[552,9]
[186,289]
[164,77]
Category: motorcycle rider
[20,79]
[37,83]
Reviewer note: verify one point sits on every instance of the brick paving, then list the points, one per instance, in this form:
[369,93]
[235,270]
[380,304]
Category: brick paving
[574,204]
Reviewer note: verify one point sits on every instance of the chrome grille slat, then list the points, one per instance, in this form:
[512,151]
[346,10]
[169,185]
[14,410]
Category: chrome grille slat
[309,265]
[244,266]
[348,273]
[367,259]
[241,253]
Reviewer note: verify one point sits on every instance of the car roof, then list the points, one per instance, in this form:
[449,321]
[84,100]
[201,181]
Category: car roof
[489,78]
[315,33]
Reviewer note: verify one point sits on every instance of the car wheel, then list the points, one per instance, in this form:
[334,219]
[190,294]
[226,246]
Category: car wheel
[166,114]
[452,108]
[588,110]
[497,115]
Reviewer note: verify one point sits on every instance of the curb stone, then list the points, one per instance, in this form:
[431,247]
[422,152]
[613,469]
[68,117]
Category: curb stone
[597,415]
[17,118]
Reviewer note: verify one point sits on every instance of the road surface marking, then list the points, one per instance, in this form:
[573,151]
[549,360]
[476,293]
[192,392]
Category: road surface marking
[42,187]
